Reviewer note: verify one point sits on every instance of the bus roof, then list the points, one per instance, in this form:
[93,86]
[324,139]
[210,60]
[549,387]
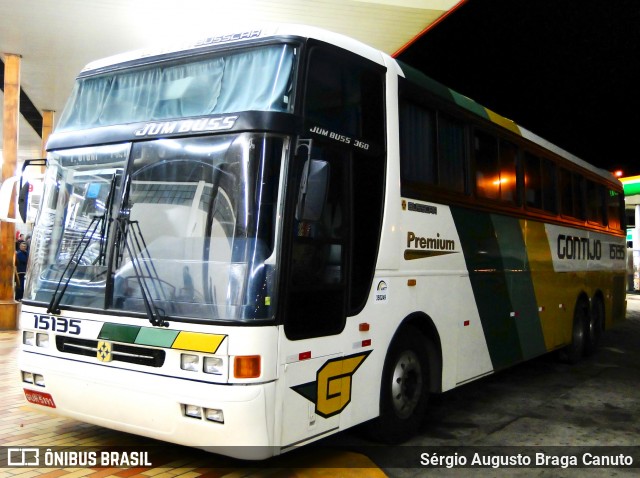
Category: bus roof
[236,36]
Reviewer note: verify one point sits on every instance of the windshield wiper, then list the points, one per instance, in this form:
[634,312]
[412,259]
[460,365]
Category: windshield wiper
[141,262]
[96,221]
[54,304]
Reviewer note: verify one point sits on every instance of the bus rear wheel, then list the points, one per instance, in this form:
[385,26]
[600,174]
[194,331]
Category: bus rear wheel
[404,389]
[595,327]
[573,352]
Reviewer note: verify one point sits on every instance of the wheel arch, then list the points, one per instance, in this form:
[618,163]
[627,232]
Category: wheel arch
[425,325]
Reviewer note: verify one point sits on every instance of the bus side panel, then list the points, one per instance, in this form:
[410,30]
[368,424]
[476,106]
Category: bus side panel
[495,254]
[579,261]
[556,293]
[433,256]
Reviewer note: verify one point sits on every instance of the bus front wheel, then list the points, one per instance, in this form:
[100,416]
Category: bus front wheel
[404,389]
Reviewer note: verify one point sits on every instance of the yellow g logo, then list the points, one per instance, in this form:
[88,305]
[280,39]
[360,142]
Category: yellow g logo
[331,392]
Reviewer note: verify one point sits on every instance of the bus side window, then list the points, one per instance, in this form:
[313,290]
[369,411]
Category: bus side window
[615,208]
[508,168]
[532,181]
[549,186]
[595,203]
[452,158]
[487,165]
[417,145]
[567,207]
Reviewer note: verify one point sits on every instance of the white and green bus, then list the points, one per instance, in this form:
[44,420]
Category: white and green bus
[262,238]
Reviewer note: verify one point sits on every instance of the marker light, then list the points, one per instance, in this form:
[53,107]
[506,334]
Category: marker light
[214,415]
[189,362]
[213,365]
[193,411]
[38,379]
[246,366]
[28,338]
[42,340]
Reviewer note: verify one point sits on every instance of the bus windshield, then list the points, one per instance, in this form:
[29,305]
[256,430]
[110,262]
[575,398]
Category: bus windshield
[257,79]
[185,227]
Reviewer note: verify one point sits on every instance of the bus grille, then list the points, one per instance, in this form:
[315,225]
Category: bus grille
[120,353]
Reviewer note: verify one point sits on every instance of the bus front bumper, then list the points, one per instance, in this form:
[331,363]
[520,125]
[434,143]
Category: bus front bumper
[160,407]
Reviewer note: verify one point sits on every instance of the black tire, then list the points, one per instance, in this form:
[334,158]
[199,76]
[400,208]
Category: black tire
[595,327]
[573,352]
[404,390]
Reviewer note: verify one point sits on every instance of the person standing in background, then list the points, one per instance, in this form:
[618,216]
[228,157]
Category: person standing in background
[19,239]
[22,257]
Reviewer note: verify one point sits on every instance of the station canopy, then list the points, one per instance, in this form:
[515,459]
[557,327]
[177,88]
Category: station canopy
[57,39]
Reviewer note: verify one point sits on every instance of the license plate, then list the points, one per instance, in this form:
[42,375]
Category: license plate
[39,398]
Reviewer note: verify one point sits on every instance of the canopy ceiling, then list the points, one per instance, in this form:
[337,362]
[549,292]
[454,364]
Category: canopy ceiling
[57,39]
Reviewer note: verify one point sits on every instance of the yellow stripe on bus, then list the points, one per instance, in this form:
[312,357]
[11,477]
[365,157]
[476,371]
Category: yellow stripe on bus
[198,342]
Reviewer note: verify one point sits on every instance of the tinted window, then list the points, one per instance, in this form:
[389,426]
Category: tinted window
[532,181]
[487,166]
[417,144]
[595,203]
[344,96]
[549,186]
[615,207]
[452,157]
[508,164]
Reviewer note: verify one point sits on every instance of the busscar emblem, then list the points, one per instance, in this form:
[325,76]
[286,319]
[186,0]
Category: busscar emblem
[104,351]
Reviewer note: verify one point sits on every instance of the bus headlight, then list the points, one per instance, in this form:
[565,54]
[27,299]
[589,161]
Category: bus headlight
[42,340]
[193,411]
[189,362]
[214,415]
[28,338]
[214,365]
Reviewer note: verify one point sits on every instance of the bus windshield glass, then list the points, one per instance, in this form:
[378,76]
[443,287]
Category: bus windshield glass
[258,79]
[182,227]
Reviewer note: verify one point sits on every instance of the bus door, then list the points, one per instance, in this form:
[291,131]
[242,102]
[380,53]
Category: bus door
[316,292]
[332,232]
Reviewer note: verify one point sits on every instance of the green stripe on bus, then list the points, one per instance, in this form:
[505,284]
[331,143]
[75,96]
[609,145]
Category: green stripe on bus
[157,337]
[469,104]
[119,333]
[522,295]
[489,283]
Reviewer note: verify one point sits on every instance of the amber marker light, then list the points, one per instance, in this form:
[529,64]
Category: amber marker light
[246,366]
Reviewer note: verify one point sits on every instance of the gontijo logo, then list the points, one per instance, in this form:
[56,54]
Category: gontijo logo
[331,392]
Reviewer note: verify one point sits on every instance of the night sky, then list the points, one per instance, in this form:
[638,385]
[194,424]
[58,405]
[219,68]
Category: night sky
[567,70]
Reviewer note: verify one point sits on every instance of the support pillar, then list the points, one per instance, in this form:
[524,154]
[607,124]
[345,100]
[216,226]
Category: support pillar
[48,117]
[636,250]
[10,118]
